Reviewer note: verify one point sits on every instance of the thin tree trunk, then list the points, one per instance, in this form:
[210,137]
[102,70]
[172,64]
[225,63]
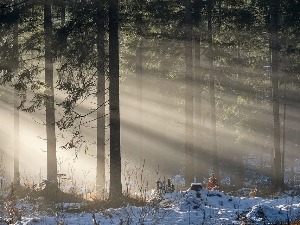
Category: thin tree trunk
[189,151]
[292,174]
[198,93]
[100,176]
[139,76]
[277,180]
[16,141]
[16,104]
[212,91]
[283,131]
[164,106]
[50,110]
[114,106]
[139,79]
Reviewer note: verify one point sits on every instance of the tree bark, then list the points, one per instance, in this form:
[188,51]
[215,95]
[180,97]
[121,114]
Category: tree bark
[198,87]
[115,191]
[16,104]
[212,90]
[283,130]
[139,77]
[277,180]
[139,80]
[50,110]
[16,141]
[100,176]
[189,79]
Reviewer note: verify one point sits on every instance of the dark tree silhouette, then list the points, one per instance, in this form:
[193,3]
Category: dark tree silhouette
[213,115]
[50,111]
[139,75]
[198,88]
[16,102]
[277,176]
[115,187]
[189,78]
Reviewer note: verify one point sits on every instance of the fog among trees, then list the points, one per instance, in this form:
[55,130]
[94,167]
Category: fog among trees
[115,95]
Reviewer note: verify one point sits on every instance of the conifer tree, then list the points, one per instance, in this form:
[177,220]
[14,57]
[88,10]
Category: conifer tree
[16,102]
[213,115]
[277,176]
[50,110]
[189,79]
[115,186]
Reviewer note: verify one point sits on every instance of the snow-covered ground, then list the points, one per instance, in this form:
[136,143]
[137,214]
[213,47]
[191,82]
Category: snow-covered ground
[205,207]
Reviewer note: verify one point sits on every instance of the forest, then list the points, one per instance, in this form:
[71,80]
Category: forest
[111,98]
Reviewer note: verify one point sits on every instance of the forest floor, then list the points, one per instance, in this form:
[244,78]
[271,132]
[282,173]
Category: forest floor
[189,207]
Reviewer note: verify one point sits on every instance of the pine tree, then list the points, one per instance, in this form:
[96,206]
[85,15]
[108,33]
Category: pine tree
[213,115]
[50,111]
[115,187]
[277,177]
[16,101]
[189,79]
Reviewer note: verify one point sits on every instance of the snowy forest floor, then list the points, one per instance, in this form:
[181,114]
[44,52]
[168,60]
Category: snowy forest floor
[187,207]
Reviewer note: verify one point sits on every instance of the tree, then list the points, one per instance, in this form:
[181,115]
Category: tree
[277,176]
[139,73]
[189,78]
[213,115]
[16,102]
[100,176]
[284,127]
[115,187]
[198,88]
[49,92]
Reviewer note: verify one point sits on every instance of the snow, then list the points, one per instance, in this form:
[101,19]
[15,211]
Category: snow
[180,208]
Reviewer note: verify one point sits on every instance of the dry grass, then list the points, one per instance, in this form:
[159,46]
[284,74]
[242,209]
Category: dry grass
[295,223]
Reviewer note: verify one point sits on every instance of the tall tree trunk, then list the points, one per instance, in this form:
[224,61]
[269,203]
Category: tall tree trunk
[277,180]
[16,141]
[115,187]
[212,90]
[167,165]
[16,104]
[189,151]
[198,93]
[139,79]
[50,111]
[283,130]
[100,176]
